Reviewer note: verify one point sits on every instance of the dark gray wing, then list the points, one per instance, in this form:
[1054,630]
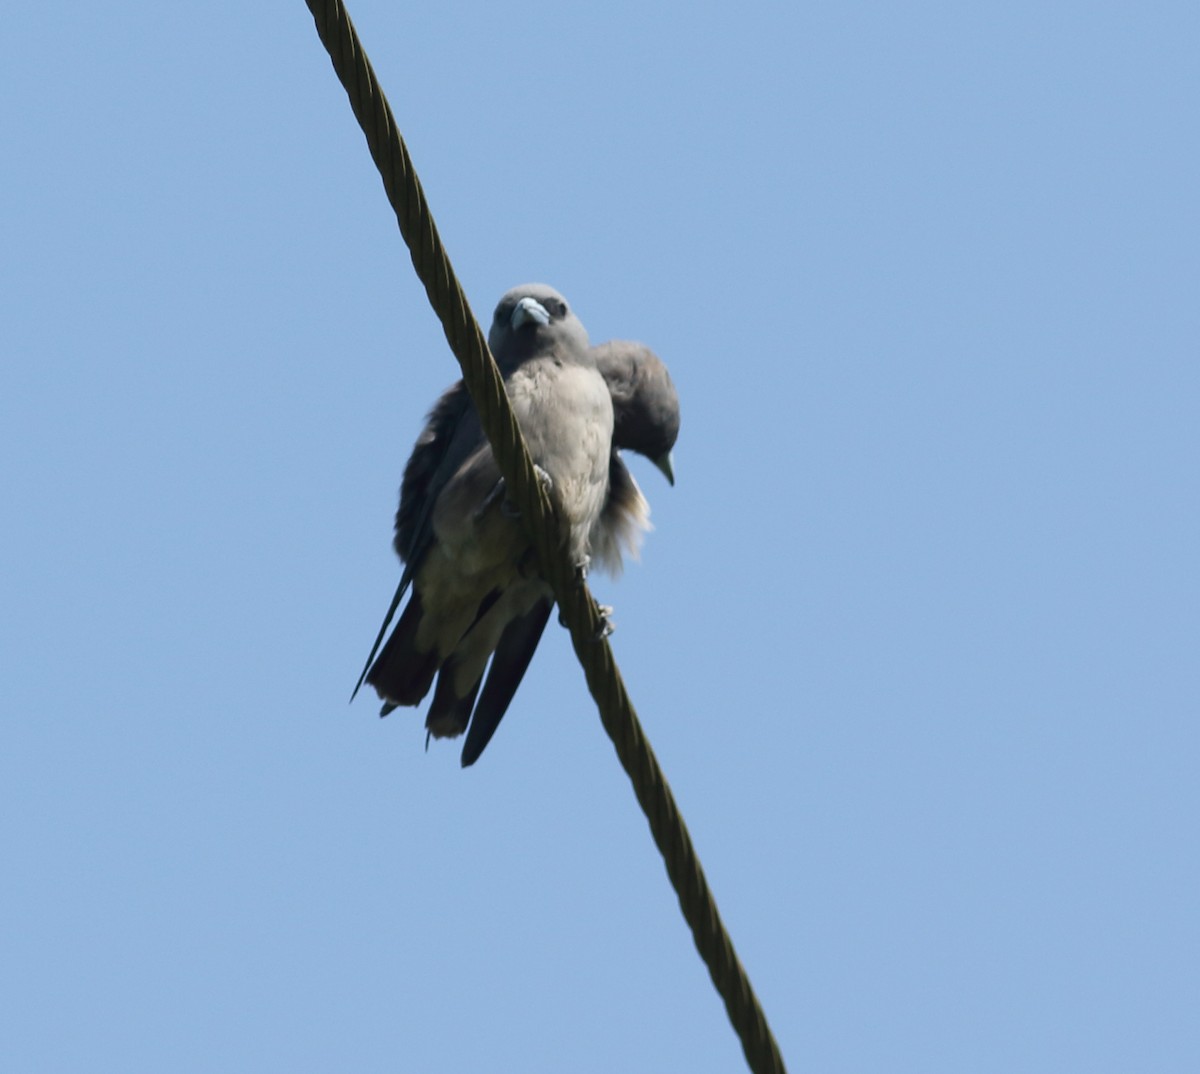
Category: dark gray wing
[426,472]
[451,433]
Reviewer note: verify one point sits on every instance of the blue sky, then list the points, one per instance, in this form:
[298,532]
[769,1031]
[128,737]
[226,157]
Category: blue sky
[914,639]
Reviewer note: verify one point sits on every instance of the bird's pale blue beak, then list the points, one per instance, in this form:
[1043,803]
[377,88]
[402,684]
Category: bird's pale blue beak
[529,309]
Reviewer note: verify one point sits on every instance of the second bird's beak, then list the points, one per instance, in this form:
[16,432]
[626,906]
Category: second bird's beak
[667,465]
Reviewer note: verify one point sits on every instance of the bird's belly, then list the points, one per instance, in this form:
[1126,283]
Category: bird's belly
[566,416]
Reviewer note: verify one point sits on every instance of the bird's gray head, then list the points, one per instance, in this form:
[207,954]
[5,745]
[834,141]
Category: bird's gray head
[533,319]
[645,403]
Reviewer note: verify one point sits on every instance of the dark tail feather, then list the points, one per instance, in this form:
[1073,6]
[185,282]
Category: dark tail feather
[517,646]
[449,713]
[402,675]
[405,581]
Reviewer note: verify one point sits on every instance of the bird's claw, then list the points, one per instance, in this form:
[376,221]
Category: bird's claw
[607,626]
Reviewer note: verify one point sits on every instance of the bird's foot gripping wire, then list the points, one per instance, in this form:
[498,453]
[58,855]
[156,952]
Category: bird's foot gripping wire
[606,627]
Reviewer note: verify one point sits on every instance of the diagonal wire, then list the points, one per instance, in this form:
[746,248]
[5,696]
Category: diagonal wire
[579,610]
